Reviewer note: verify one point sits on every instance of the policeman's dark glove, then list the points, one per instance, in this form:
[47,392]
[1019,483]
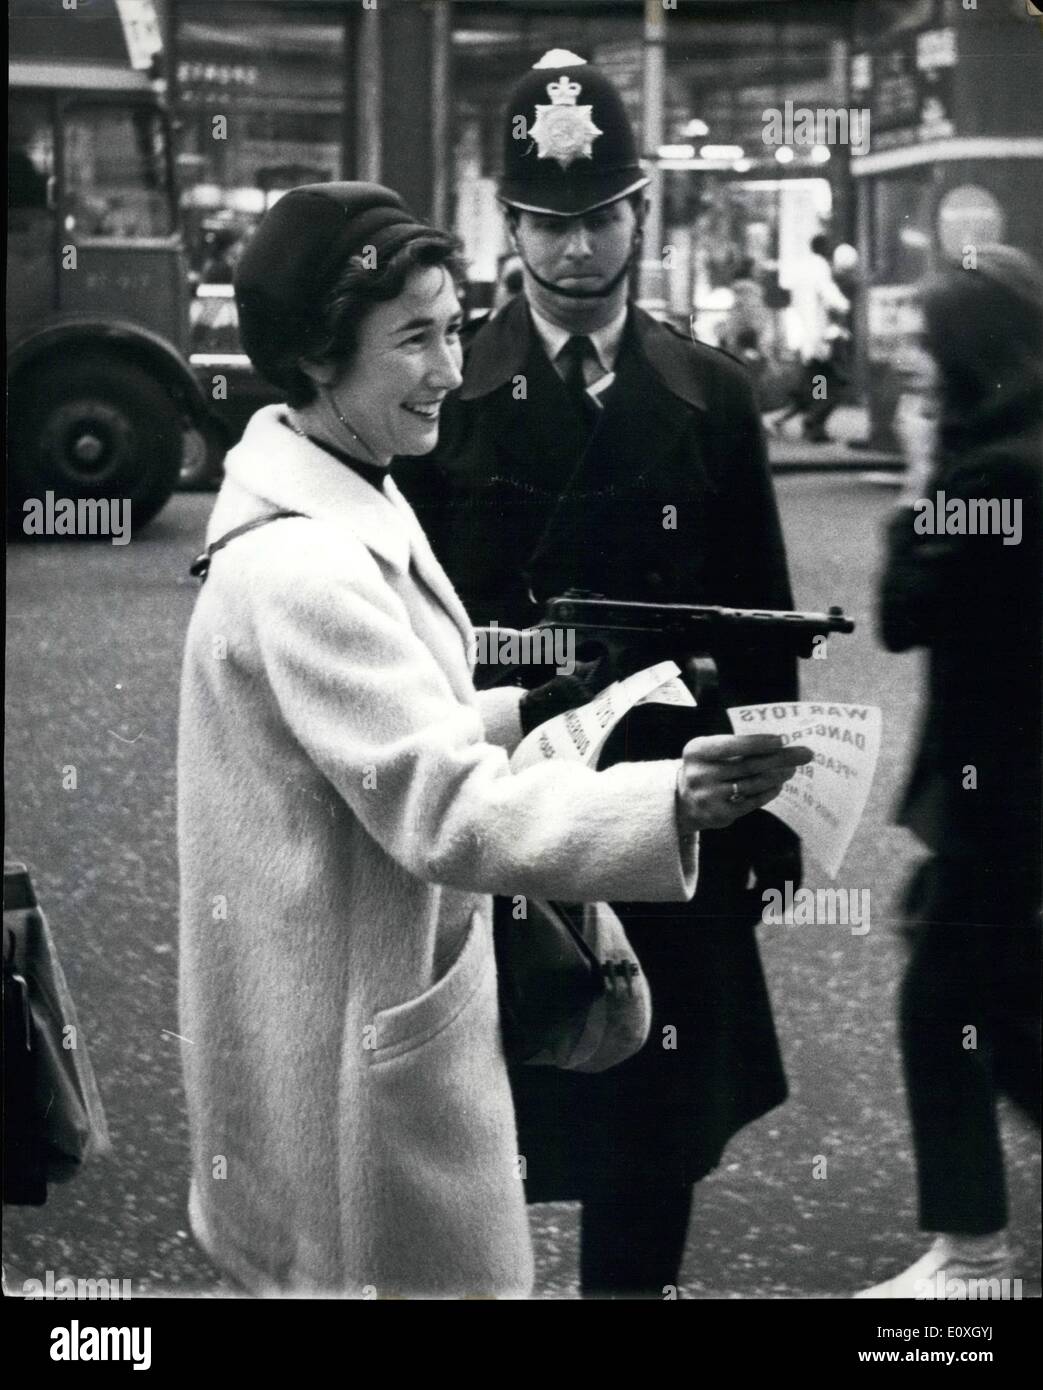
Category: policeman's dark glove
[775,853]
[562,693]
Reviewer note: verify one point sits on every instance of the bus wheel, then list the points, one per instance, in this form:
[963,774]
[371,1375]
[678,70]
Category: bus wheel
[94,427]
[202,458]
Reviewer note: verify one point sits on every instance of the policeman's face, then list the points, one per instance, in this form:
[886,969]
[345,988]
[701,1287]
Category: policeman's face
[578,253]
[407,361]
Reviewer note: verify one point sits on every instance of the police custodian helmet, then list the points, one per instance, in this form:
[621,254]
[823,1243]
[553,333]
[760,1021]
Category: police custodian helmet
[568,144]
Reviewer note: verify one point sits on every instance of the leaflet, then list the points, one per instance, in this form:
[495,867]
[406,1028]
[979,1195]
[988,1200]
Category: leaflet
[824,801]
[579,735]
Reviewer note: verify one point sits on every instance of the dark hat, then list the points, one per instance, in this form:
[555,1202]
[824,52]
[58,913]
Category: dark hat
[984,328]
[568,144]
[296,255]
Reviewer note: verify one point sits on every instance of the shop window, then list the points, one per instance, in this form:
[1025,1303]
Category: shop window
[30,152]
[276,74]
[902,230]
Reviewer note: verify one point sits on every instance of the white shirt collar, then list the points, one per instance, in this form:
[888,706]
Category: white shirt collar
[606,340]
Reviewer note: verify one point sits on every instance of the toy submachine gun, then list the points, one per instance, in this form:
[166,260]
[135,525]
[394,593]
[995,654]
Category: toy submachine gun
[634,635]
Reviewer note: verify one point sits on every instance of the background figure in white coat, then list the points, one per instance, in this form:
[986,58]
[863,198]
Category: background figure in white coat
[820,308]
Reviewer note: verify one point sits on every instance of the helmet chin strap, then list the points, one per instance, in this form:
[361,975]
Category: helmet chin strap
[602,293]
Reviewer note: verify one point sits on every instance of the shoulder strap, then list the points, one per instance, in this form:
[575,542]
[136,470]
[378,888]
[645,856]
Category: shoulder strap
[200,566]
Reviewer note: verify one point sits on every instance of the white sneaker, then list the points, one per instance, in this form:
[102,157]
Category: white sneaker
[950,1270]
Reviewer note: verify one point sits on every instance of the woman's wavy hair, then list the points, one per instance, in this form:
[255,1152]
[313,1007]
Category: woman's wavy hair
[333,334]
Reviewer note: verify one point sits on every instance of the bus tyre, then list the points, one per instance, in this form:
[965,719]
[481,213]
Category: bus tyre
[202,458]
[93,427]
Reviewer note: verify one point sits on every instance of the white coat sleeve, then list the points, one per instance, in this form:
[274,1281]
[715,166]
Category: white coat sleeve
[375,713]
[832,296]
[501,715]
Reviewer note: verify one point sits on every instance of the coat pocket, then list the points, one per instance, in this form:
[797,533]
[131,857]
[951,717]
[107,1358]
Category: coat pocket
[406,1026]
[436,1204]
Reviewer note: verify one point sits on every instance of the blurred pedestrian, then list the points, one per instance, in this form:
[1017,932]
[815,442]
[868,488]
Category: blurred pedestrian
[582,423]
[744,330]
[217,263]
[821,310]
[346,805]
[845,264]
[970,595]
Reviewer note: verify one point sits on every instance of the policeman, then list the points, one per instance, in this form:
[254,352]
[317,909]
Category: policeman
[592,447]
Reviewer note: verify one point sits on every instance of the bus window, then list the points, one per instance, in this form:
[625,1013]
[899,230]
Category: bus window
[31,259]
[117,182]
[30,152]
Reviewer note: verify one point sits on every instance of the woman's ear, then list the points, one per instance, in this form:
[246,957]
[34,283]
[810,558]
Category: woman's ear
[322,373]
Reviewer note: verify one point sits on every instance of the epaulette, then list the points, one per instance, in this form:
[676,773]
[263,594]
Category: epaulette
[698,342]
[472,326]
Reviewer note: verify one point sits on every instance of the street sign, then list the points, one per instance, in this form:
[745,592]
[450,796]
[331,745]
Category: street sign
[141,30]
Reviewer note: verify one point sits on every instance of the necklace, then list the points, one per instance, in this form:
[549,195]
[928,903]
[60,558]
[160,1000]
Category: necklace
[356,437]
[295,426]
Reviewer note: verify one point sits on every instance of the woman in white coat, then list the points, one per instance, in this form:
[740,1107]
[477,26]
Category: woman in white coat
[346,808]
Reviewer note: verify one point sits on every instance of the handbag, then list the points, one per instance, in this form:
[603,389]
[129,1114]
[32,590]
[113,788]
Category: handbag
[572,992]
[53,1116]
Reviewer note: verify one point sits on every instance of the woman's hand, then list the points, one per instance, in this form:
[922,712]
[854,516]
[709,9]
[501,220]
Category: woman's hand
[729,775]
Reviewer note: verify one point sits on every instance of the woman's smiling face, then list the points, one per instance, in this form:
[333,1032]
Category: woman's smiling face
[407,360]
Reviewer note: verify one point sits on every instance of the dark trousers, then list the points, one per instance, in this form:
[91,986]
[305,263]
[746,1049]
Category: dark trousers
[817,412]
[802,398]
[632,1243]
[970,1031]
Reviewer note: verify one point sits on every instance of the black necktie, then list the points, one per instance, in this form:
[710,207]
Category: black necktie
[574,355]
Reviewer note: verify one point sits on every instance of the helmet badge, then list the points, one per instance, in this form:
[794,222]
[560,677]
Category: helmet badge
[563,130]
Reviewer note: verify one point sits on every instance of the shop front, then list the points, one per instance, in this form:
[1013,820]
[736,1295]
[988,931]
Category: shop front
[260,94]
[271,93]
[956,159]
[735,204]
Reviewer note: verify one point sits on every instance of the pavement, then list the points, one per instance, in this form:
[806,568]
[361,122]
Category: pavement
[94,638]
[844,452]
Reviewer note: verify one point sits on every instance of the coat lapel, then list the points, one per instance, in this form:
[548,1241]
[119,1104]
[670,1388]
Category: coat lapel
[643,450]
[277,468]
[644,417]
[286,472]
[530,431]
[427,568]
[526,412]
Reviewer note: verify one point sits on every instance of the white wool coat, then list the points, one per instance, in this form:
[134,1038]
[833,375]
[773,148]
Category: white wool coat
[345,809]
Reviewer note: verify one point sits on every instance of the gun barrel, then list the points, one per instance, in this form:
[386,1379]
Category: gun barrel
[620,616]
